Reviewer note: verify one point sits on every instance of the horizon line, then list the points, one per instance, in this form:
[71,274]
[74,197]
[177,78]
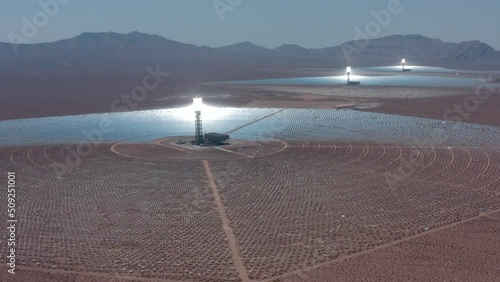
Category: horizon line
[247,41]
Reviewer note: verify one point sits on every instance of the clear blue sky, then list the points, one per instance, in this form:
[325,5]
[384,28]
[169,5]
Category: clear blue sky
[269,23]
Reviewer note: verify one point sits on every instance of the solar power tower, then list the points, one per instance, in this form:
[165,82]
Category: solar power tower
[198,135]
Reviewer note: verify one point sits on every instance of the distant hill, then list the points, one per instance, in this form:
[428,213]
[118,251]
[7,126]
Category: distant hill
[114,50]
[292,50]
[423,49]
[246,47]
[103,48]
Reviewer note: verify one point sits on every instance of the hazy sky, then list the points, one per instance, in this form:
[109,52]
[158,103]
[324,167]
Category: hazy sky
[269,23]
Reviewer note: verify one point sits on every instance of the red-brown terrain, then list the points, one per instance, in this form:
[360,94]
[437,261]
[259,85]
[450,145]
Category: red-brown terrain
[468,251]
[488,112]
[313,203]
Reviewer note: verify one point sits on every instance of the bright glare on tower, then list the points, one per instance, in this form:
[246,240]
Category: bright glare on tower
[197,103]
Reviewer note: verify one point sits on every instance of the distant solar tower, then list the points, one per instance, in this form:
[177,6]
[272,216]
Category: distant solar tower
[198,135]
[348,71]
[403,61]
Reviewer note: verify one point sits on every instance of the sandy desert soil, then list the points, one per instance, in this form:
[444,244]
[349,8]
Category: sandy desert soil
[82,91]
[442,255]
[33,274]
[349,92]
[73,91]
[409,101]
[326,201]
[115,215]
[487,112]
[309,204]
[468,251]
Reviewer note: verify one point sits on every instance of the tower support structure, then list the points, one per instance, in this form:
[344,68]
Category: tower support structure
[198,135]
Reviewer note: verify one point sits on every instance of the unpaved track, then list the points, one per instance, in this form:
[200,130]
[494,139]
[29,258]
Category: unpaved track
[301,271]
[233,245]
[255,121]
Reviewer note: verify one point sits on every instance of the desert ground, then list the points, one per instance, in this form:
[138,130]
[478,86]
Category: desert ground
[255,218]
[72,92]
[291,209]
[426,102]
[443,255]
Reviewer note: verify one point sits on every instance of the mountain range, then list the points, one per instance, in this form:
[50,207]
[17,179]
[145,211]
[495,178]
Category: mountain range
[89,72]
[114,50]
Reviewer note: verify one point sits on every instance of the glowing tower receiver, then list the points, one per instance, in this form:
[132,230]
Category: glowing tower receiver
[403,61]
[348,71]
[198,135]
